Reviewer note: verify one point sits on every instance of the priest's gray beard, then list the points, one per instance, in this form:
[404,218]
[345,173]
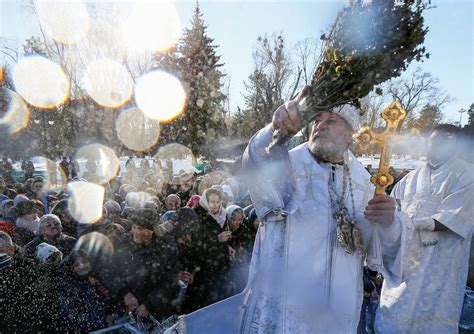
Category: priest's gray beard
[327,150]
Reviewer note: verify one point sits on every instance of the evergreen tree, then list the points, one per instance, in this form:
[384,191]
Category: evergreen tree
[196,64]
[470,113]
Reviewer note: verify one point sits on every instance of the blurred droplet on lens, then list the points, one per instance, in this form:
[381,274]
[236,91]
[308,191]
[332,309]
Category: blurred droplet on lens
[41,82]
[108,82]
[152,26]
[135,130]
[17,114]
[160,95]
[65,21]
[101,161]
[85,201]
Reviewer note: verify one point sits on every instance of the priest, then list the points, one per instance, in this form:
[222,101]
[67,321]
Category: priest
[438,203]
[318,219]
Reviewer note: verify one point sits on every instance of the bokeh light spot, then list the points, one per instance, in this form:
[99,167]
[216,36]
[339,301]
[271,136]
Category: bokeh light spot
[65,21]
[85,201]
[160,95]
[101,161]
[41,82]
[152,26]
[136,131]
[108,83]
[96,245]
[17,115]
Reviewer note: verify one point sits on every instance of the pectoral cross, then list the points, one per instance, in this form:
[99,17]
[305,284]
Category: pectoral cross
[394,115]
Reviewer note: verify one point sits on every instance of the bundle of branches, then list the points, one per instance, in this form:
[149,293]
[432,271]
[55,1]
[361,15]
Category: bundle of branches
[369,43]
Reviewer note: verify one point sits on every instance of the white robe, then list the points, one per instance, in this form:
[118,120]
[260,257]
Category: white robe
[435,264]
[301,280]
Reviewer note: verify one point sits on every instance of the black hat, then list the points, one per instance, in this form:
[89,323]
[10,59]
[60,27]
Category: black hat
[145,217]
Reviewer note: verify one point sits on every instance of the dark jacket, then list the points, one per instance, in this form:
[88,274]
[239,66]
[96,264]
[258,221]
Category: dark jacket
[84,306]
[242,241]
[23,236]
[148,272]
[64,243]
[16,289]
[211,256]
[184,197]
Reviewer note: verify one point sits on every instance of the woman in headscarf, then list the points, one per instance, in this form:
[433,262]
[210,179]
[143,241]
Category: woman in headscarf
[214,237]
[241,243]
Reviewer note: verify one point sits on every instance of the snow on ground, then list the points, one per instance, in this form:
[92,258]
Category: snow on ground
[399,163]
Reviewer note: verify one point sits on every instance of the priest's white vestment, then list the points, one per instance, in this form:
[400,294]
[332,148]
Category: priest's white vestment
[301,280]
[435,264]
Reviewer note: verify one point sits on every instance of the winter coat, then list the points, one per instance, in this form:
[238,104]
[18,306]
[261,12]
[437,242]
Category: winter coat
[84,306]
[212,258]
[23,236]
[16,288]
[148,272]
[184,196]
[42,308]
[242,242]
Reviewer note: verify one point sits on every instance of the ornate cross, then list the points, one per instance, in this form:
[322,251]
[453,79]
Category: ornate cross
[394,115]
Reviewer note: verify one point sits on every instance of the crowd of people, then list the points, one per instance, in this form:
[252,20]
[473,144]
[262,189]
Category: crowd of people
[171,244]
[183,246]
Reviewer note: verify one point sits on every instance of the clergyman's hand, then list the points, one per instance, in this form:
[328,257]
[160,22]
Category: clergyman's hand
[380,210]
[142,311]
[131,303]
[286,117]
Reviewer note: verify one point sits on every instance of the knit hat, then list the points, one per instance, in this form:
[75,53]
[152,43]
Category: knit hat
[5,203]
[7,228]
[144,217]
[350,114]
[19,198]
[25,207]
[167,215]
[44,251]
[49,216]
[193,201]
[112,206]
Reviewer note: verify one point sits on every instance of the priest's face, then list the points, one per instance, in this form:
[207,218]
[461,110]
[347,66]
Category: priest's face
[442,145]
[330,137]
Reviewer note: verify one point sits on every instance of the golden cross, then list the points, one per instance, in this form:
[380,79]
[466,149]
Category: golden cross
[394,115]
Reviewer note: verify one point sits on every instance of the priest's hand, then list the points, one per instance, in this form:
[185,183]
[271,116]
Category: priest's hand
[286,117]
[130,301]
[380,210]
[142,311]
